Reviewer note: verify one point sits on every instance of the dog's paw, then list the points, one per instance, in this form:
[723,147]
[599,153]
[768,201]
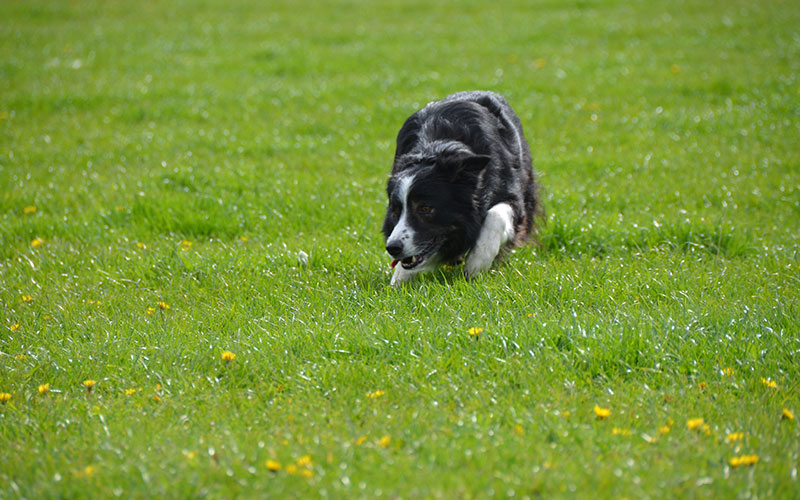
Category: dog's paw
[400,276]
[480,259]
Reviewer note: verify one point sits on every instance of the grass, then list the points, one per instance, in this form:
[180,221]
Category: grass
[187,153]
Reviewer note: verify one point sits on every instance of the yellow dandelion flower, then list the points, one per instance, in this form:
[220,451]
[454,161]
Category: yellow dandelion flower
[156,398]
[37,242]
[291,469]
[769,383]
[14,327]
[706,429]
[44,389]
[474,332]
[664,429]
[89,470]
[694,423]
[375,395]
[601,413]
[728,372]
[21,357]
[787,414]
[89,384]
[519,429]
[186,244]
[163,305]
[140,245]
[190,455]
[130,392]
[27,298]
[228,356]
[307,473]
[734,436]
[304,461]
[150,310]
[5,397]
[702,386]
[273,466]
[743,460]
[30,209]
[361,440]
[244,239]
[616,431]
[384,441]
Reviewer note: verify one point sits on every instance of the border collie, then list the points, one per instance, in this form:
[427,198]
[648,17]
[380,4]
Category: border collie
[462,184]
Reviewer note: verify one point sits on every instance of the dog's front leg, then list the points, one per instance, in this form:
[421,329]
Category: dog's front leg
[402,275]
[497,230]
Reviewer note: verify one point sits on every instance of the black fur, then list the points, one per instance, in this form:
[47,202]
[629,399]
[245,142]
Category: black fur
[467,153]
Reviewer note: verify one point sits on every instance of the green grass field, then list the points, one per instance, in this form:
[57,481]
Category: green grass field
[164,164]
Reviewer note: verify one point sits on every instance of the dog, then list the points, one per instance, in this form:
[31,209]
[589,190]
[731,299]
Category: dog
[462,186]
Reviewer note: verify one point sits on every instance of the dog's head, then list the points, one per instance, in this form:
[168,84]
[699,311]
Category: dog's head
[431,216]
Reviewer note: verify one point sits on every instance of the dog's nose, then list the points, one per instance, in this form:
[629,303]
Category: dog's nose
[395,248]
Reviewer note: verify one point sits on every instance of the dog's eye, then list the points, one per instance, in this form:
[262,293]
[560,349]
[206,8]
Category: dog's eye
[424,210]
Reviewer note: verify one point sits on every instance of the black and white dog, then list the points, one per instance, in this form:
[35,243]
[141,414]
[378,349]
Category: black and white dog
[461,184]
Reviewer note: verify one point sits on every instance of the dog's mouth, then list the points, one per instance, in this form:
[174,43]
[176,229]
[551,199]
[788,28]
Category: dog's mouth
[409,262]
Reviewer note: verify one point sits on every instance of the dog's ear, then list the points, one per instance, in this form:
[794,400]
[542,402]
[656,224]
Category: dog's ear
[463,162]
[476,163]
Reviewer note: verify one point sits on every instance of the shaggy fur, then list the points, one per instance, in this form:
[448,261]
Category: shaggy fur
[462,184]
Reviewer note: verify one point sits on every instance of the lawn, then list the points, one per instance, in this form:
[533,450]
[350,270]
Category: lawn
[194,297]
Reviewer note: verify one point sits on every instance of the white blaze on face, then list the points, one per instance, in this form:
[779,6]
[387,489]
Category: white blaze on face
[403,233]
